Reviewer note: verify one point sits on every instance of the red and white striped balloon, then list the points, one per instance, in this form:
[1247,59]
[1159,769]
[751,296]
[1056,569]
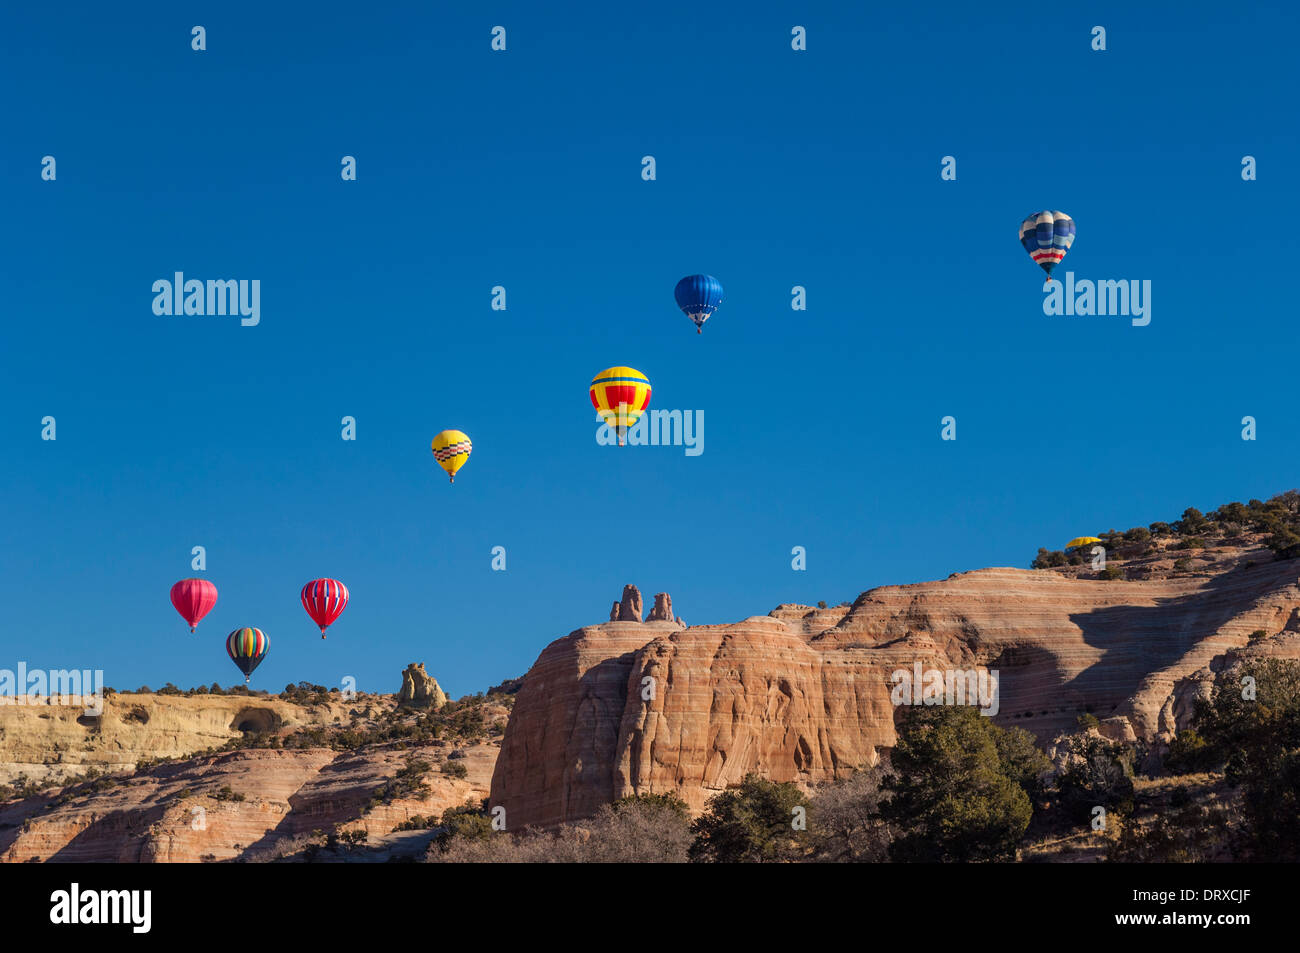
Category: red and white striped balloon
[324,600]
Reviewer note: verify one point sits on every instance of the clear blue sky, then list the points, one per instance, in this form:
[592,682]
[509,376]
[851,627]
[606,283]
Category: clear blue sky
[775,168]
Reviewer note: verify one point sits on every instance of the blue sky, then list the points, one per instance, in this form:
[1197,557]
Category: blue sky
[775,168]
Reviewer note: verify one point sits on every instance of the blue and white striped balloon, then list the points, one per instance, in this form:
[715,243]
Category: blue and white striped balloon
[1047,236]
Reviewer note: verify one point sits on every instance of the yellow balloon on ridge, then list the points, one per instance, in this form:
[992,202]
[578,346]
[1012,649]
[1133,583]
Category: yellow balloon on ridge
[1081,541]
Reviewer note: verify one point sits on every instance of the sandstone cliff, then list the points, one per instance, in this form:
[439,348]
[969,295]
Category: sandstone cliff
[803,694]
[146,780]
[43,741]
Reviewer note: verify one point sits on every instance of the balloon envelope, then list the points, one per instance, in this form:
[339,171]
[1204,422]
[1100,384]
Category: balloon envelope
[1081,541]
[193,599]
[1047,236]
[698,296]
[620,395]
[324,600]
[451,449]
[246,648]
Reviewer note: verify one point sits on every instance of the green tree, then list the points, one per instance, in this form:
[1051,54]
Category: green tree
[950,794]
[469,822]
[751,823]
[1193,522]
[1252,724]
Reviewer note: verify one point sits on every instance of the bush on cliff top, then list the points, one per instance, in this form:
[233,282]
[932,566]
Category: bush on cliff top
[1278,519]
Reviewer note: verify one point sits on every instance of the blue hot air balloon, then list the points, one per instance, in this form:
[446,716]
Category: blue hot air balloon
[1047,236]
[698,296]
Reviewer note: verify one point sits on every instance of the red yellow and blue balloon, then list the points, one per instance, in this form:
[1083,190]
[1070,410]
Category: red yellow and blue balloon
[620,395]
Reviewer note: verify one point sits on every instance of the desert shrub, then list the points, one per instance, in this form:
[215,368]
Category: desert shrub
[1188,834]
[845,820]
[1099,773]
[646,829]
[469,822]
[454,769]
[408,782]
[1111,572]
[354,837]
[1048,560]
[1193,521]
[1189,753]
[510,687]
[639,829]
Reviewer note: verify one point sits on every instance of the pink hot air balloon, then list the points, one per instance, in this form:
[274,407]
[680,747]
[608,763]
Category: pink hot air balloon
[324,600]
[193,599]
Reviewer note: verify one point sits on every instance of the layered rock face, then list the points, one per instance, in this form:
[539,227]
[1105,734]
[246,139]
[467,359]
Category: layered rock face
[240,804]
[254,803]
[804,694]
[41,740]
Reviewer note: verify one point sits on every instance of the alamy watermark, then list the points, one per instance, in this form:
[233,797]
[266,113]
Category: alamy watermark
[940,686]
[78,687]
[213,297]
[656,428]
[1123,298]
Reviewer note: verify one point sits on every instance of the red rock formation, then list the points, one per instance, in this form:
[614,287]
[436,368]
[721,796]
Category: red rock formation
[804,694]
[629,610]
[663,608]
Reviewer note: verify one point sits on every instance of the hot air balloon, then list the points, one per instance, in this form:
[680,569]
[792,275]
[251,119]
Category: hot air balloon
[620,395]
[324,600]
[193,599]
[246,648]
[1080,541]
[698,296]
[1047,236]
[451,449]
